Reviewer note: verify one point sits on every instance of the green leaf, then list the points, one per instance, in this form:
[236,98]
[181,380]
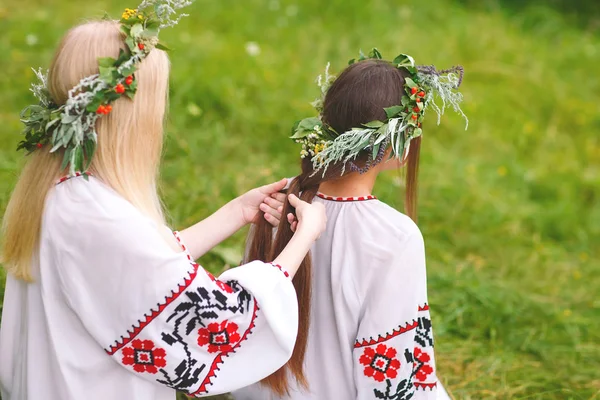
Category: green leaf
[309,123]
[106,62]
[373,124]
[130,94]
[300,133]
[417,132]
[136,30]
[130,43]
[66,158]
[393,111]
[129,71]
[78,158]
[375,54]
[123,56]
[90,148]
[410,83]
[106,74]
[350,62]
[162,46]
[125,29]
[382,134]
[152,24]
[404,60]
[68,119]
[149,33]
[405,100]
[376,150]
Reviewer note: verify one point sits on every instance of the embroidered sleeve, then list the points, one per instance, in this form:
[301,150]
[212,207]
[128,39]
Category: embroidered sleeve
[393,353]
[161,316]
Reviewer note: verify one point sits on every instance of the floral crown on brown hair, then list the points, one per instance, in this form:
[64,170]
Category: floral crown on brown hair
[422,86]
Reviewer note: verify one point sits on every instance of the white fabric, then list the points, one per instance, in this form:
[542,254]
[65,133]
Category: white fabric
[115,313]
[369,297]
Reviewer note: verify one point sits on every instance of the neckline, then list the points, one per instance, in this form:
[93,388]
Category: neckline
[67,177]
[346,199]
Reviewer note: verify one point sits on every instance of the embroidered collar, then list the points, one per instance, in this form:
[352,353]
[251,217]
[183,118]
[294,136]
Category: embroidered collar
[345,199]
[65,178]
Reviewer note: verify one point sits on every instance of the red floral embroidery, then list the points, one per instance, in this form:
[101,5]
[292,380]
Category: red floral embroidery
[144,356]
[219,337]
[421,365]
[380,362]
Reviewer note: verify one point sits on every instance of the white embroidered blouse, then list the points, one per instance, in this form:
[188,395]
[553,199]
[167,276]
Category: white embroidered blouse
[114,313]
[371,333]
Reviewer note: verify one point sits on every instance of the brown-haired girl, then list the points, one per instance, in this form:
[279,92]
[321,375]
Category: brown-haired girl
[370,334]
[103,301]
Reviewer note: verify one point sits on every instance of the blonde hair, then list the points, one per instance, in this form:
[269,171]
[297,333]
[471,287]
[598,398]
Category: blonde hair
[129,141]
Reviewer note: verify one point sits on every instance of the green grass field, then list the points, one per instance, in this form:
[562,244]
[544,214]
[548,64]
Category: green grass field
[509,209]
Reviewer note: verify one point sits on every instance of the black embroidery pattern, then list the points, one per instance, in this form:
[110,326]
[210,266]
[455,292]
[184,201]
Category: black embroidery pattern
[420,359]
[199,309]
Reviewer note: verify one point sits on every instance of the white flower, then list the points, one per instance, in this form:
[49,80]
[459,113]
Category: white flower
[31,39]
[252,49]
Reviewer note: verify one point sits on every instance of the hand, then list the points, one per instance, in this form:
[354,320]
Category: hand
[312,219]
[273,207]
[265,198]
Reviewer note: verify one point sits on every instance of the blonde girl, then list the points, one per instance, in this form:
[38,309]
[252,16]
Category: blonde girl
[102,300]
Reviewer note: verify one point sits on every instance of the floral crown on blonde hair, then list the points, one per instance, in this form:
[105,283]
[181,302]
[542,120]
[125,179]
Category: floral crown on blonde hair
[72,126]
[422,85]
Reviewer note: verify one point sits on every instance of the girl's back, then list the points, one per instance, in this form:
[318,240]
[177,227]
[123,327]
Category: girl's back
[370,329]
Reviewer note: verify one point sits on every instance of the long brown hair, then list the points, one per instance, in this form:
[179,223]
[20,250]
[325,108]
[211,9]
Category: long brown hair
[359,95]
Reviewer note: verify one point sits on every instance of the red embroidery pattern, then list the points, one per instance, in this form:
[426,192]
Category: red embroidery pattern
[423,386]
[144,356]
[279,267]
[421,365]
[142,323]
[222,285]
[219,337]
[398,331]
[346,199]
[424,307]
[219,358]
[380,363]
[66,178]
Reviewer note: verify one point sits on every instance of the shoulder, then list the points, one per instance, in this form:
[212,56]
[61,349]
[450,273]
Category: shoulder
[80,209]
[391,226]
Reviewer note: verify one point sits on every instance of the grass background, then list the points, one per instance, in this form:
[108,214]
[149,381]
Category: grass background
[509,209]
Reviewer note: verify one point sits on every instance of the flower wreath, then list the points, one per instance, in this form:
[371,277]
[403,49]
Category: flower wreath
[326,146]
[72,126]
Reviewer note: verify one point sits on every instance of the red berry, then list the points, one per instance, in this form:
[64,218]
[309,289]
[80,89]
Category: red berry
[107,109]
[414,116]
[120,88]
[416,109]
[418,100]
[421,94]
[413,90]
[101,109]
[129,80]
[141,46]
[419,124]
[39,145]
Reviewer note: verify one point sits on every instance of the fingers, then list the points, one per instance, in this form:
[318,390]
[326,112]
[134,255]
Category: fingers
[272,220]
[273,187]
[274,203]
[294,200]
[292,221]
[280,197]
[268,209]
